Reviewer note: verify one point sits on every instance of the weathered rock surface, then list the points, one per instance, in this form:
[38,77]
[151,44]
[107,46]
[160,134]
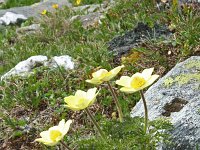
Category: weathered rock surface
[177,96]
[2,2]
[93,13]
[36,9]
[141,33]
[24,68]
[28,29]
[62,61]
[12,18]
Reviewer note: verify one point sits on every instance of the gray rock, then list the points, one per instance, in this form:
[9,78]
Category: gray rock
[36,9]
[95,7]
[93,14]
[140,34]
[177,96]
[62,61]
[24,68]
[2,2]
[92,19]
[28,29]
[12,18]
[87,8]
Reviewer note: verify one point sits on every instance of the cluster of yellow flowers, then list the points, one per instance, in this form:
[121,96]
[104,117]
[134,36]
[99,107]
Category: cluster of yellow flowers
[81,100]
[55,6]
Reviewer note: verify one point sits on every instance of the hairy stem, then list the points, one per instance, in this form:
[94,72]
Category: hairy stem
[65,145]
[95,123]
[116,102]
[145,112]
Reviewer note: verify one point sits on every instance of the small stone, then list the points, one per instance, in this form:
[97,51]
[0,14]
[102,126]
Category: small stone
[29,29]
[2,2]
[25,67]
[12,18]
[61,61]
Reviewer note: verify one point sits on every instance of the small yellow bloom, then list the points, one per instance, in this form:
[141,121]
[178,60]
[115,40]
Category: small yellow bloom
[52,136]
[114,115]
[81,99]
[137,82]
[104,75]
[78,2]
[44,12]
[55,6]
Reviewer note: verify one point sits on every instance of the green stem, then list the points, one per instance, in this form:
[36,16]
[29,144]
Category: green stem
[65,145]
[116,102]
[95,123]
[145,112]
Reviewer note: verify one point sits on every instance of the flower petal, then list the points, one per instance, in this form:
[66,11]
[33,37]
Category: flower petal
[80,93]
[91,93]
[66,126]
[40,140]
[146,73]
[72,103]
[150,81]
[45,135]
[128,90]
[100,74]
[94,81]
[74,108]
[137,74]
[70,100]
[46,139]
[124,81]
[54,128]
[61,124]
[111,74]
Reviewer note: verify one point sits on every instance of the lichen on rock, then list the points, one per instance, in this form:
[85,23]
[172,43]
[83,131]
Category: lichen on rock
[182,79]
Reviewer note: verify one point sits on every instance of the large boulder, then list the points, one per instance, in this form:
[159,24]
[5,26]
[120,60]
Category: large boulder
[177,96]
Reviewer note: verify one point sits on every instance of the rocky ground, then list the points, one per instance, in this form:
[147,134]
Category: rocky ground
[140,46]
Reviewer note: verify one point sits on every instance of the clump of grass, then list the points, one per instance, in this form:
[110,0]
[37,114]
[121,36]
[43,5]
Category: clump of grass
[86,2]
[128,135]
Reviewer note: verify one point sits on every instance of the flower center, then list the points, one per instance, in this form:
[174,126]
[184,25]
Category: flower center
[54,134]
[81,103]
[137,82]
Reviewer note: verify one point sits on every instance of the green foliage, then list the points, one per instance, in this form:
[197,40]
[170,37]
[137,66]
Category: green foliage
[187,26]
[86,2]
[18,3]
[13,123]
[129,135]
[41,87]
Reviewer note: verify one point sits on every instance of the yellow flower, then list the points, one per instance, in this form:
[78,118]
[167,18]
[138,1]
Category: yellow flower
[137,82]
[81,99]
[44,12]
[52,136]
[55,6]
[78,2]
[104,75]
